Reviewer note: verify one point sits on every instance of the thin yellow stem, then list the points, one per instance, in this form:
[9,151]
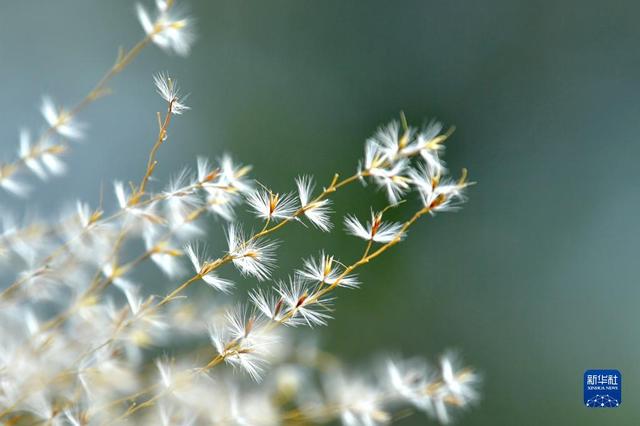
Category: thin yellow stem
[98,90]
[97,284]
[168,298]
[63,247]
[152,162]
[314,299]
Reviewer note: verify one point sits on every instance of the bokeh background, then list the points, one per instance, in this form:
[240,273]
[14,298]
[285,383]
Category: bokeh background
[534,281]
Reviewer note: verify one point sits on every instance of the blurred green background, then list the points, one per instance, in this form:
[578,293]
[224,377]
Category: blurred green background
[534,281]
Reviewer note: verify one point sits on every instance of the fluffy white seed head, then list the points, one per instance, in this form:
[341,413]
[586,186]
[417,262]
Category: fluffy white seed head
[169,90]
[326,269]
[203,267]
[61,120]
[167,28]
[271,206]
[303,305]
[375,230]
[316,211]
[244,340]
[439,193]
[255,257]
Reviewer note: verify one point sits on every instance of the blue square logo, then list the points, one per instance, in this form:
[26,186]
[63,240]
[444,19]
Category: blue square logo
[602,388]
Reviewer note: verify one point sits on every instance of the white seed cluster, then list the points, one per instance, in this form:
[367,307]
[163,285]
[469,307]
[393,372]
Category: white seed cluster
[84,341]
